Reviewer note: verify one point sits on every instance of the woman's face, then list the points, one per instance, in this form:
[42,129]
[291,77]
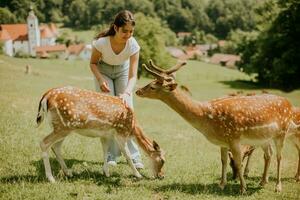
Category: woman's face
[123,33]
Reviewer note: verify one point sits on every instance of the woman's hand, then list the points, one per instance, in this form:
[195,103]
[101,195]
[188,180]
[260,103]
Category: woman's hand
[104,86]
[125,97]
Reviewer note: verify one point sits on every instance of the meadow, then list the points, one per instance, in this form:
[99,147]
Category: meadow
[193,165]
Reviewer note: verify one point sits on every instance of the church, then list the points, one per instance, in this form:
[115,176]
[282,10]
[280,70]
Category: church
[28,38]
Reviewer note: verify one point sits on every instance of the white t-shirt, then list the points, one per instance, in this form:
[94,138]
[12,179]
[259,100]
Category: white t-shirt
[109,56]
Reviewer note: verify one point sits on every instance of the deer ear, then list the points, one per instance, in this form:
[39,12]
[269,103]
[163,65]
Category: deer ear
[156,146]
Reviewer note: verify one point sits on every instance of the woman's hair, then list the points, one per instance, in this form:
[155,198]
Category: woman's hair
[121,19]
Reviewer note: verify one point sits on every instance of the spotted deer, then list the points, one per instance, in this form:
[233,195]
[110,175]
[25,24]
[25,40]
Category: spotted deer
[92,114]
[228,122]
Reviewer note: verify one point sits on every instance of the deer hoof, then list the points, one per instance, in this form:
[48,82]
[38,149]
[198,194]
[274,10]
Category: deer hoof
[263,183]
[68,173]
[222,185]
[243,191]
[51,179]
[278,187]
[139,176]
[106,172]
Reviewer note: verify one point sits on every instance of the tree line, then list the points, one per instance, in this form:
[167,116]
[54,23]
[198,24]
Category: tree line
[217,17]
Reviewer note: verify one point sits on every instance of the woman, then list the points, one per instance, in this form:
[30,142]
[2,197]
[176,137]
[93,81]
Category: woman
[114,63]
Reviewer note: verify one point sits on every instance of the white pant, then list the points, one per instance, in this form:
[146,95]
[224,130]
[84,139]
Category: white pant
[117,78]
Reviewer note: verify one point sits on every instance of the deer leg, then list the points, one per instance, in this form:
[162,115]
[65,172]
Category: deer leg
[246,170]
[267,157]
[57,151]
[224,160]
[278,144]
[122,142]
[237,157]
[105,155]
[45,144]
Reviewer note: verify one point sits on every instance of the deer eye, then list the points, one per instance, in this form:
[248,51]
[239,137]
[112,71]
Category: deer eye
[152,88]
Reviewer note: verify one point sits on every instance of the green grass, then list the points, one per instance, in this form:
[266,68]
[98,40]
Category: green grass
[193,164]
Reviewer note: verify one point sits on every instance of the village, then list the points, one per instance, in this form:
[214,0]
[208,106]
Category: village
[40,41]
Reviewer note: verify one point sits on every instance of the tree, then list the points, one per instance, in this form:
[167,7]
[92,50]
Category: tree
[274,55]
[77,14]
[228,15]
[6,17]
[152,37]
[53,10]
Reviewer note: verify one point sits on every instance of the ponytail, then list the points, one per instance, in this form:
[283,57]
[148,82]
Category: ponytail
[108,32]
[121,19]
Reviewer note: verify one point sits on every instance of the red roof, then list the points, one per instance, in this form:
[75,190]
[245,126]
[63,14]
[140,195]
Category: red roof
[53,28]
[227,59]
[46,32]
[54,48]
[15,31]
[19,31]
[4,35]
[75,48]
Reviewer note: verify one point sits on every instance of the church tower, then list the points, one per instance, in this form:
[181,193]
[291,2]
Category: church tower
[34,38]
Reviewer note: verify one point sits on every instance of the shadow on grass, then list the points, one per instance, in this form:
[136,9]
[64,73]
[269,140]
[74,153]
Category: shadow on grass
[231,189]
[85,174]
[243,84]
[272,179]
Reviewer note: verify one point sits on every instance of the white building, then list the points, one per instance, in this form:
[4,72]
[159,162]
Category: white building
[24,38]
[79,51]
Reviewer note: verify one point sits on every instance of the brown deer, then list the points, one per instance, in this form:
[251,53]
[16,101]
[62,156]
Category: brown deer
[92,114]
[228,122]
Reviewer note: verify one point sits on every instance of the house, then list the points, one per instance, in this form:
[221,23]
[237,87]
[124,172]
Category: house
[176,53]
[193,52]
[26,38]
[188,52]
[228,60]
[79,51]
[52,51]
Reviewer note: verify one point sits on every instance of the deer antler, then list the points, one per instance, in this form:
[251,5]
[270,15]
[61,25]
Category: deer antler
[158,76]
[153,66]
[169,71]
[175,68]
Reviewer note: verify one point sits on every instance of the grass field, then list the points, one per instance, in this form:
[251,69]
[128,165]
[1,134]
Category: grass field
[193,166]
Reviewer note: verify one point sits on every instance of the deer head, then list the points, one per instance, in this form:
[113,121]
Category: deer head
[164,80]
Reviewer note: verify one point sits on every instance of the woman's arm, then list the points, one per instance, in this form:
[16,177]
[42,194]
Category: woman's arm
[95,57]
[132,77]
